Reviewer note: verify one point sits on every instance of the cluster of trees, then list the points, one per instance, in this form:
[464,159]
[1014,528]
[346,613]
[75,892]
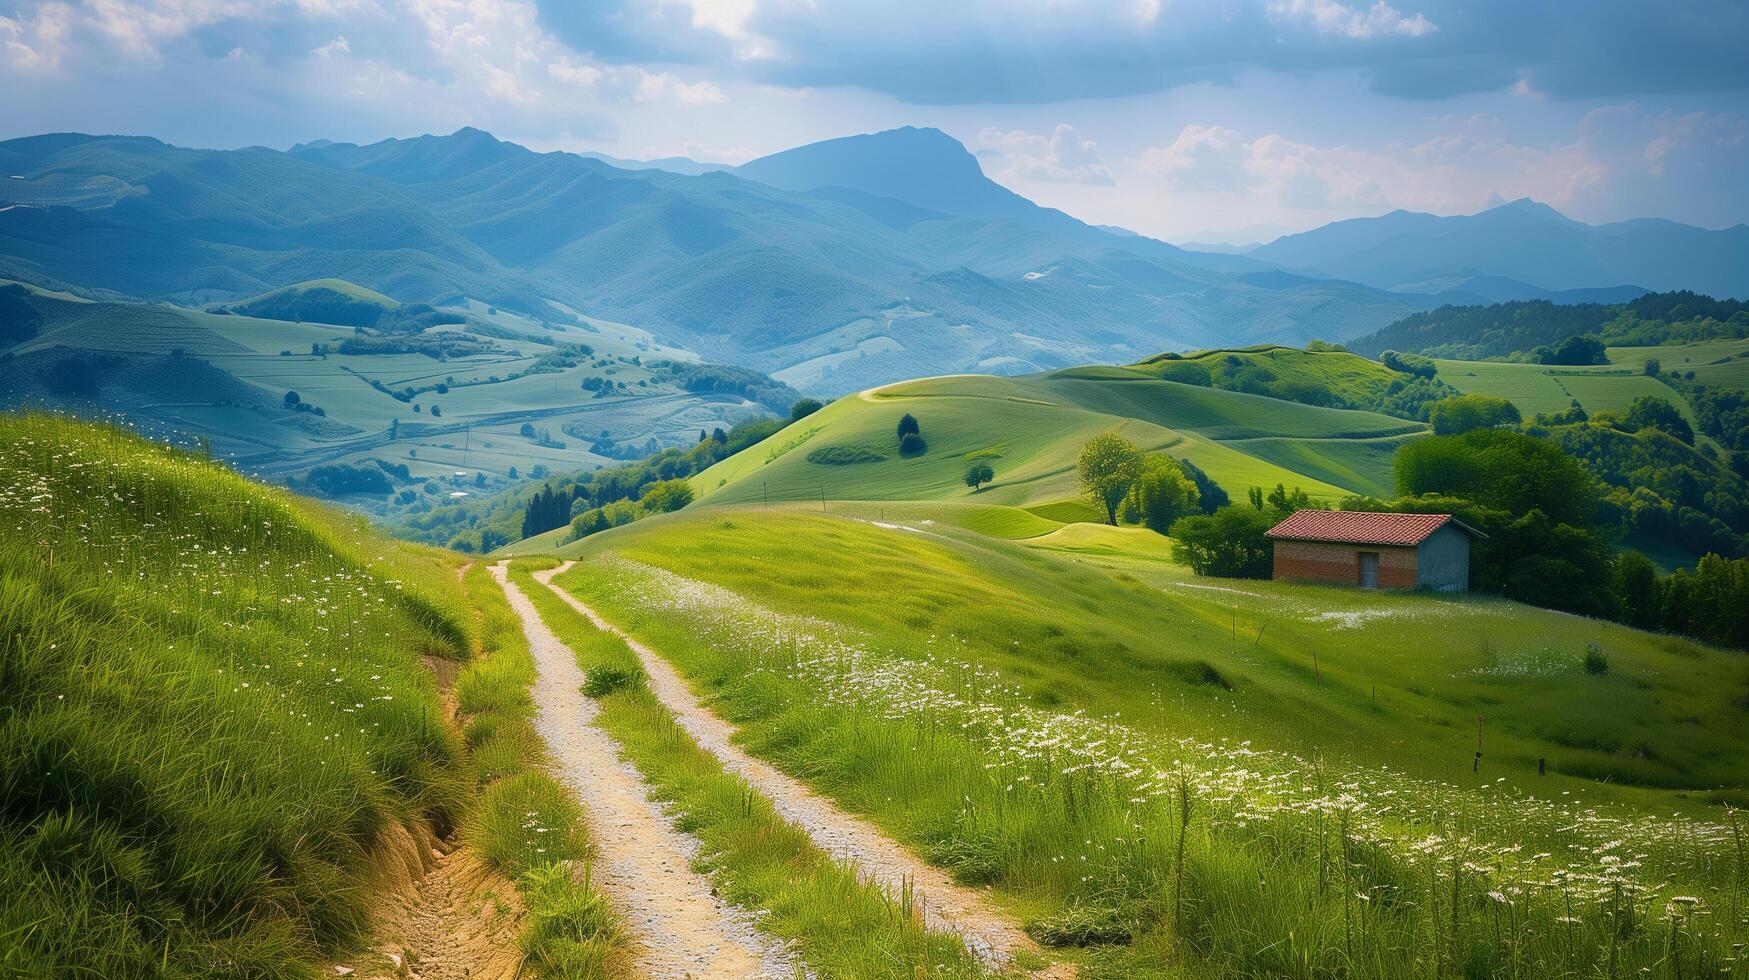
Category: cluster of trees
[1654,481]
[1467,413]
[1233,541]
[575,498]
[295,402]
[313,305]
[340,479]
[1411,364]
[1539,506]
[656,498]
[749,384]
[19,318]
[1154,491]
[1723,413]
[1502,330]
[910,436]
[1575,350]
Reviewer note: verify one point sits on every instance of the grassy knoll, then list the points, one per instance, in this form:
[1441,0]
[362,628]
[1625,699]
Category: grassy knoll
[213,711]
[840,926]
[1029,430]
[1352,378]
[1197,777]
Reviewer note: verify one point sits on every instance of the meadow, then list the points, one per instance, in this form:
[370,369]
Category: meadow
[1170,776]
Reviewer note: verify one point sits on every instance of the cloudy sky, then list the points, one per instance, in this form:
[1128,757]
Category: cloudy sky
[1221,120]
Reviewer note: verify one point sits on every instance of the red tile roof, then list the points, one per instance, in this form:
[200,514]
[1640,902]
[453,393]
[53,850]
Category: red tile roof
[1363,527]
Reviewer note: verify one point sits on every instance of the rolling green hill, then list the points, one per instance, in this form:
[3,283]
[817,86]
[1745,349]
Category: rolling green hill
[1029,430]
[214,715]
[1350,377]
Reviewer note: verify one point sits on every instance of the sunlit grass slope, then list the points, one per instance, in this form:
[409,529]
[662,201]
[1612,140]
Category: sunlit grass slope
[212,709]
[1041,715]
[1355,378]
[1029,430]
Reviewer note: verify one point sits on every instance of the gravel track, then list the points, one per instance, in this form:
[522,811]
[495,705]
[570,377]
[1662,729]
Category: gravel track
[677,927]
[946,905]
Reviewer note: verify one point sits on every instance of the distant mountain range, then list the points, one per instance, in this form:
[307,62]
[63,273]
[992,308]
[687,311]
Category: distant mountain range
[825,283]
[832,266]
[1526,244]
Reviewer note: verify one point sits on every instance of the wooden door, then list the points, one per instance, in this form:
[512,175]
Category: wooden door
[1369,569]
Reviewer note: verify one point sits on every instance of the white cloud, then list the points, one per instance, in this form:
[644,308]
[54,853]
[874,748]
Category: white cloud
[664,87]
[334,48]
[572,72]
[1205,158]
[1330,17]
[1062,157]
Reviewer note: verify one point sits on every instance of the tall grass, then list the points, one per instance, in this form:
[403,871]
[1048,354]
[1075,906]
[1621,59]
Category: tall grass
[526,822]
[211,707]
[1188,858]
[840,926]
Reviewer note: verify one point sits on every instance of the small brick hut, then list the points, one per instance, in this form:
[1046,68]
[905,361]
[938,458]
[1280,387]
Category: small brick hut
[1374,550]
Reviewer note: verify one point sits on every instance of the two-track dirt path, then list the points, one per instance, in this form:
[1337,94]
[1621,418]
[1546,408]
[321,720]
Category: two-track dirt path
[642,864]
[946,905]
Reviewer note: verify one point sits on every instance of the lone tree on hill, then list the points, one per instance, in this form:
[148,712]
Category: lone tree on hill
[908,427]
[1107,467]
[978,475]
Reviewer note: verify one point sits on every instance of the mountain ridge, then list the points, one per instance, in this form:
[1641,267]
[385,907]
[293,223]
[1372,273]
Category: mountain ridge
[841,287]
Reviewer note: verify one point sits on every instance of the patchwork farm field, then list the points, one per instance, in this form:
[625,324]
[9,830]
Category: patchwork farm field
[187,373]
[1053,716]
[1608,387]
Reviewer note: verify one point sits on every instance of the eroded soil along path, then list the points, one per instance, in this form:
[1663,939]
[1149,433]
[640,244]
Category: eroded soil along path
[946,905]
[642,864]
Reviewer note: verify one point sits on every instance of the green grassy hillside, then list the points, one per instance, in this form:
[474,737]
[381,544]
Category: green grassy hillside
[1352,378]
[212,710]
[1041,716]
[1029,430]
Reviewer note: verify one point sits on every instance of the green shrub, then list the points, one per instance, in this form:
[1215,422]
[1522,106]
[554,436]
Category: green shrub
[912,445]
[571,929]
[603,680]
[1596,661]
[844,455]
